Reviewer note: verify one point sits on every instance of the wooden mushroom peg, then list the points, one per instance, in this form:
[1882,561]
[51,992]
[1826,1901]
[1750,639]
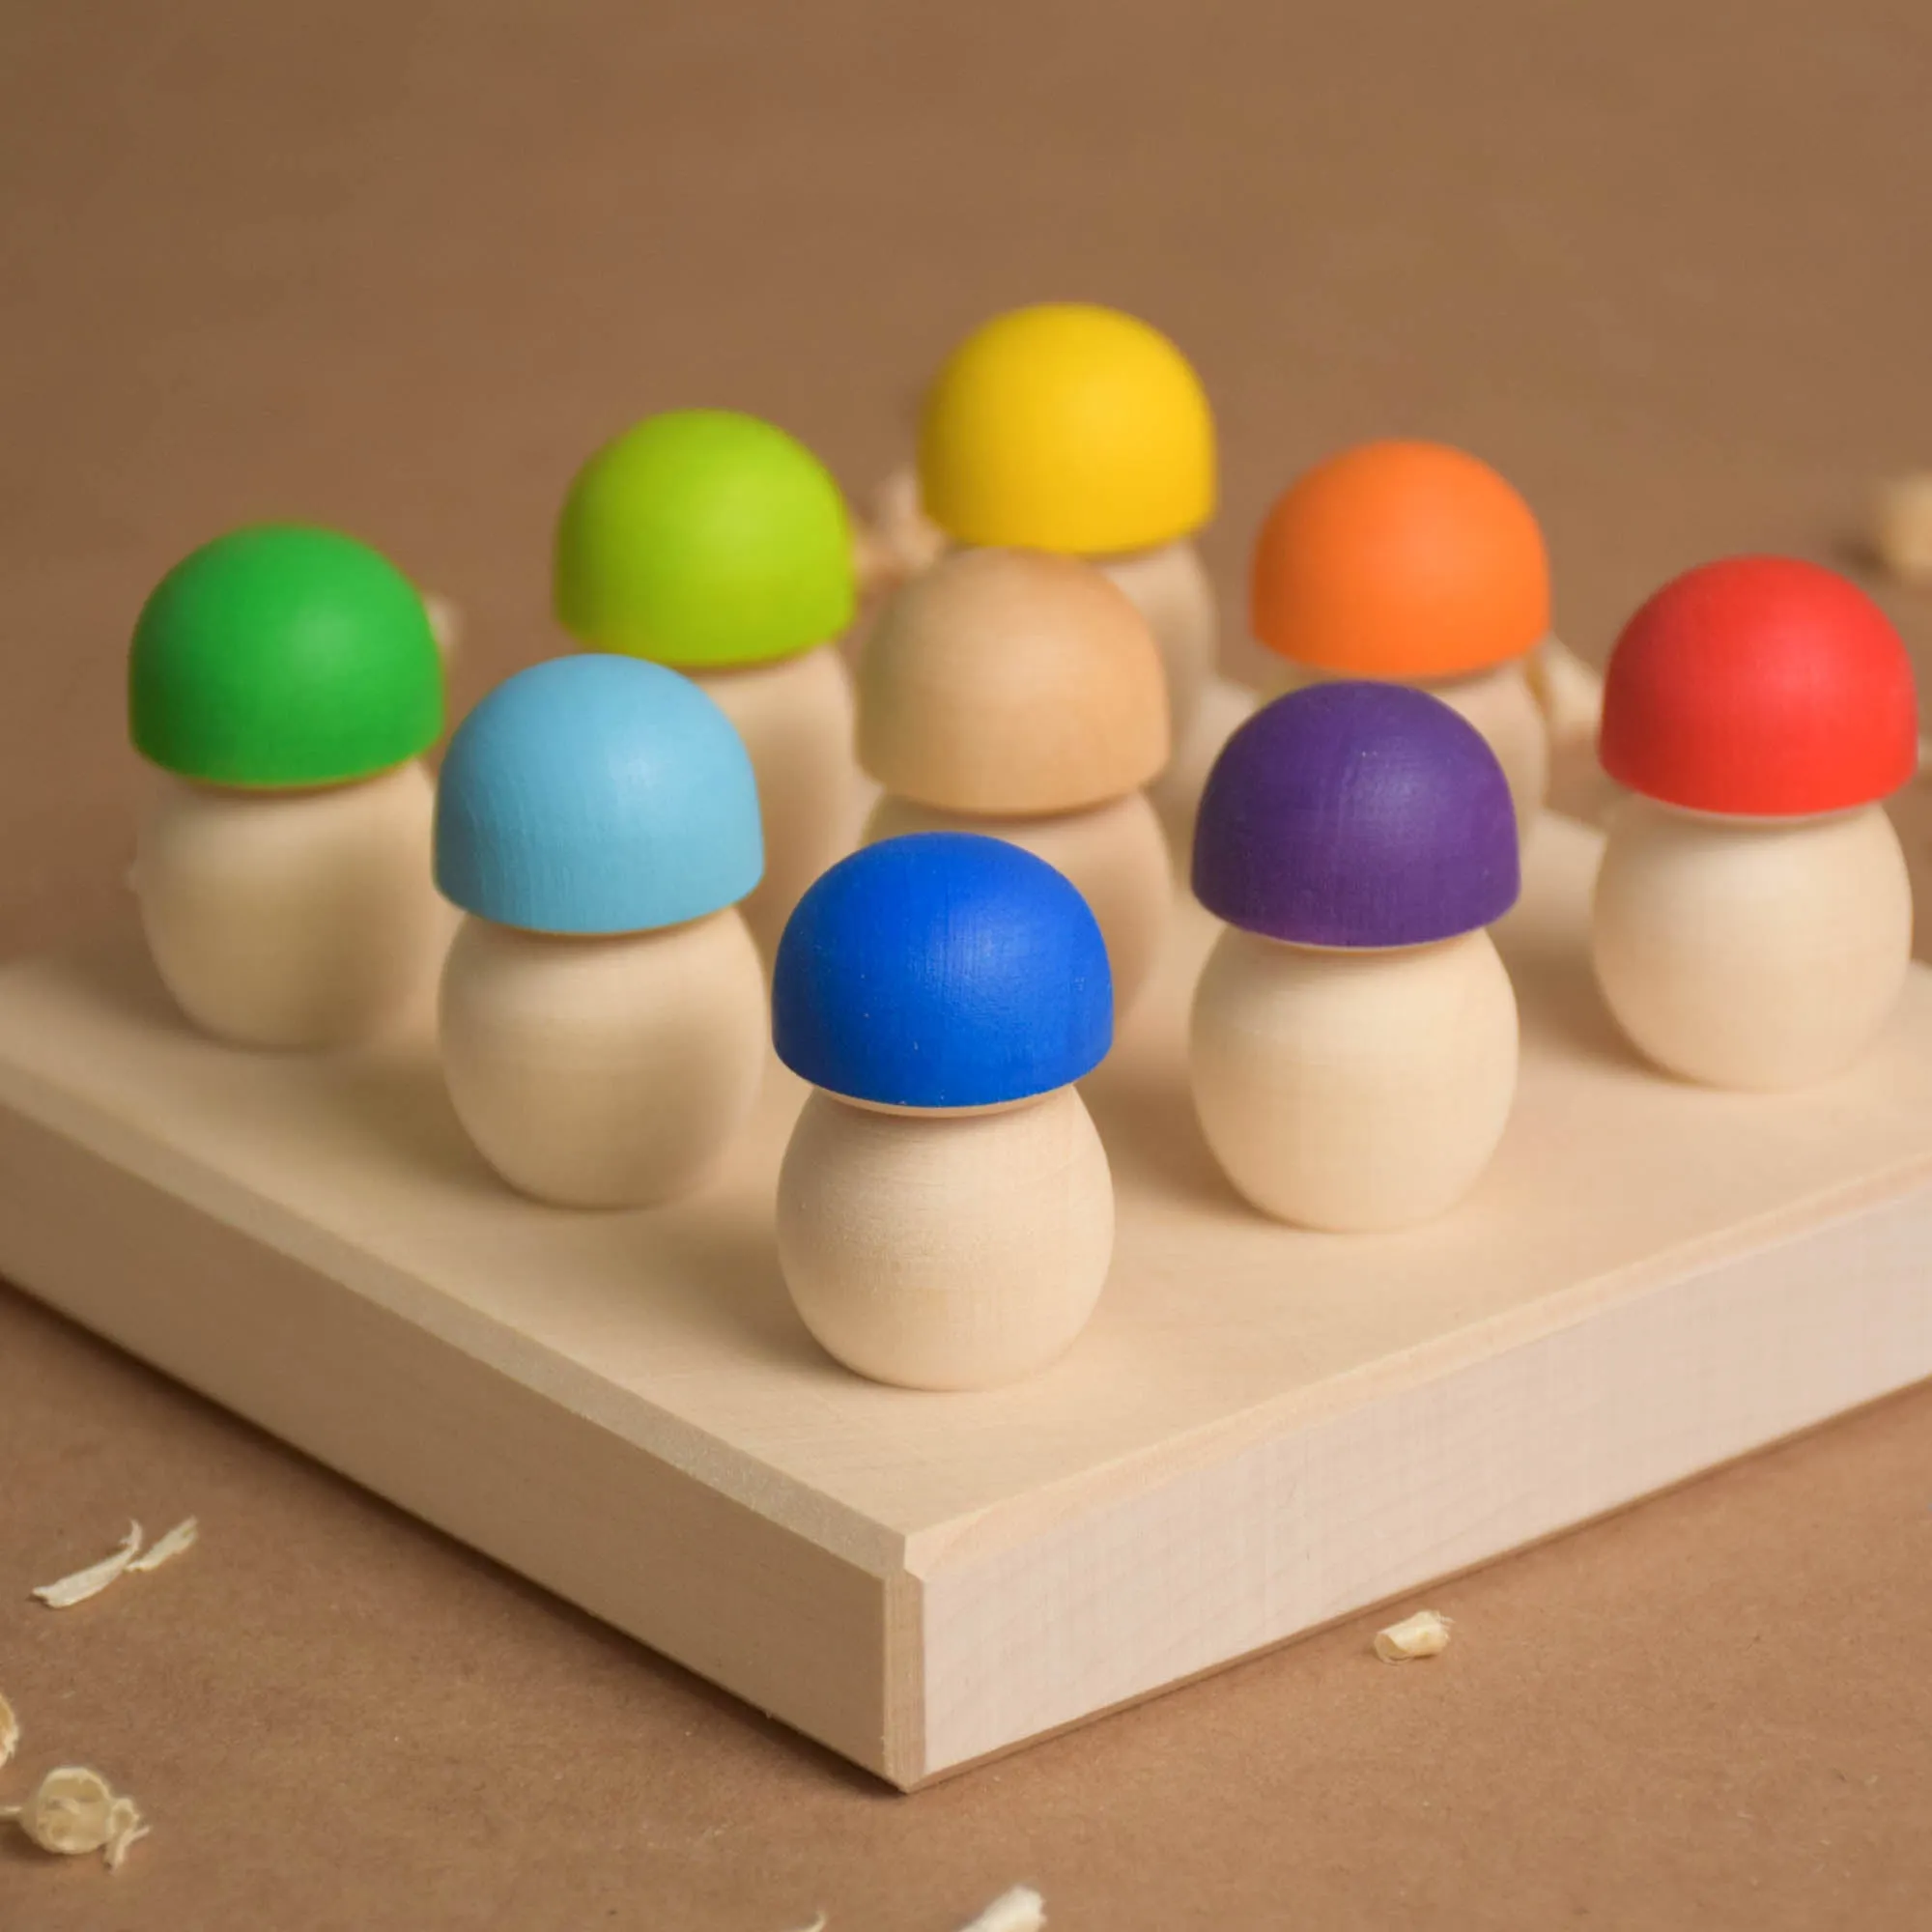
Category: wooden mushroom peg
[1076,429]
[1354,1040]
[715,543]
[1020,694]
[602,1019]
[944,1213]
[1752,921]
[285,680]
[1414,562]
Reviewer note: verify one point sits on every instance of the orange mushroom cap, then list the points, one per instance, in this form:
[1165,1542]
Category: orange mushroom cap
[1760,686]
[1401,560]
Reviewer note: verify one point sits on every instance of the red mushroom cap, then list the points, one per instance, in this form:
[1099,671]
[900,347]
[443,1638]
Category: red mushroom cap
[1760,686]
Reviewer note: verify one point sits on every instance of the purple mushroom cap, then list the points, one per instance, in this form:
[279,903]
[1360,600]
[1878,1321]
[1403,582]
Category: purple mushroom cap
[1356,815]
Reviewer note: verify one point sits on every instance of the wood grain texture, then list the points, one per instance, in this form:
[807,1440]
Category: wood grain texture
[295,919]
[1116,854]
[1356,813]
[1504,705]
[1353,1091]
[796,719]
[604,1072]
[946,1251]
[1170,587]
[1262,1428]
[1699,1712]
[1010,682]
[1753,954]
[1175,795]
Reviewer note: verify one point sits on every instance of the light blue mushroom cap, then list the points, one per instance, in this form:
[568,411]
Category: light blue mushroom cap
[597,794]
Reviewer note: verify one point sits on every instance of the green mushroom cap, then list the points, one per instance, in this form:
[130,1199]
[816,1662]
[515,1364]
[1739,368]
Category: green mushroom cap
[280,656]
[703,539]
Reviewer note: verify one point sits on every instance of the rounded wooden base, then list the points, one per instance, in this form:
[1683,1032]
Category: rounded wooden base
[1752,954]
[300,919]
[1116,854]
[946,1251]
[1171,589]
[1353,1091]
[606,1073]
[796,719]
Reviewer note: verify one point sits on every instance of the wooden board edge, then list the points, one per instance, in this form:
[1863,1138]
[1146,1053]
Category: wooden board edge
[1184,1573]
[1397,1601]
[904,1688]
[818,1641]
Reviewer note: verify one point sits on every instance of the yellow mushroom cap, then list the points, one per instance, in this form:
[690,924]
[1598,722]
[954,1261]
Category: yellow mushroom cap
[1067,427]
[1010,683]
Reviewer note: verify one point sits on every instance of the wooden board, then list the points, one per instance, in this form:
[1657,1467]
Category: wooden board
[1262,1429]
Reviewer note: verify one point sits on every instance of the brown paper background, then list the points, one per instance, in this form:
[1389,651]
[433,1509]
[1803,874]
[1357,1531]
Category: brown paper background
[399,267]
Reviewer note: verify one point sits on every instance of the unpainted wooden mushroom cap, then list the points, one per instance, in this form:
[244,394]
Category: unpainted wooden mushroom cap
[1011,682]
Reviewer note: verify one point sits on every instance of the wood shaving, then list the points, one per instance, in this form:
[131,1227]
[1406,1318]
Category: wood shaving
[94,1579]
[1424,1634]
[1901,534]
[818,1925]
[9,1730]
[164,1549]
[1020,1910]
[74,1810]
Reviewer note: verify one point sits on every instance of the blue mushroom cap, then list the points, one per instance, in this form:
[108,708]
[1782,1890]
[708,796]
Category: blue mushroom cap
[942,970]
[597,795]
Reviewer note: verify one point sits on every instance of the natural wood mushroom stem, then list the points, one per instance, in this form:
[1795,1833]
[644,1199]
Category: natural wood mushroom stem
[603,1072]
[1353,1091]
[796,719]
[293,919]
[945,1250]
[1752,954]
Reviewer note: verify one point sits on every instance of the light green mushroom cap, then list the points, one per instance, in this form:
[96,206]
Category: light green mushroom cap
[704,539]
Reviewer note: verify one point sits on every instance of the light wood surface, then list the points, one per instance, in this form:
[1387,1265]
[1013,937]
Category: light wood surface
[946,1251]
[1116,854]
[796,719]
[1353,1091]
[1168,585]
[1262,1428]
[1171,589]
[298,918]
[1502,706]
[1175,795]
[1702,1711]
[1010,682]
[1753,954]
[604,1071]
